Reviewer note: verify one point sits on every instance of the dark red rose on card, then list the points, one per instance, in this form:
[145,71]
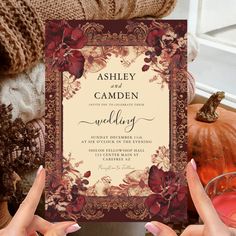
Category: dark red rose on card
[76,64]
[158,179]
[158,50]
[77,205]
[168,193]
[153,202]
[54,32]
[69,60]
[60,60]
[154,37]
[181,29]
[62,46]
[75,38]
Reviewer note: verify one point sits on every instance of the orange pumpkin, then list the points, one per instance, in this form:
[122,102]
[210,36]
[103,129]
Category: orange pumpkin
[212,138]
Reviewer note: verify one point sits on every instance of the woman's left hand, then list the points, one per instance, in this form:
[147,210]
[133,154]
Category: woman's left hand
[26,223]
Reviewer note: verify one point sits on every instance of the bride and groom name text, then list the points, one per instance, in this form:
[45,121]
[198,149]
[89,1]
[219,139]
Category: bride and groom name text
[117,94]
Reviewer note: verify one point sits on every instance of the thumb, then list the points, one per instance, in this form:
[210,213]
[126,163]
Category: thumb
[159,229]
[62,228]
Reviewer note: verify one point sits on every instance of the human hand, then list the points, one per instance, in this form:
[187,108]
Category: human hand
[212,226]
[25,223]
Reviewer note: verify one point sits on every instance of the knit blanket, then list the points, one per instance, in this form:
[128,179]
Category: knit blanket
[21,36]
[22,23]
[25,92]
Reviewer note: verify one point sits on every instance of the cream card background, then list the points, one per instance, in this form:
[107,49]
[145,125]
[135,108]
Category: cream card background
[153,102]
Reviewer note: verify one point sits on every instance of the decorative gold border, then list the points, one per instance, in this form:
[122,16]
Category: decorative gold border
[135,34]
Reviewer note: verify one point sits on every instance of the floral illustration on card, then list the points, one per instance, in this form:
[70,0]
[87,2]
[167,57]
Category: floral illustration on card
[168,189]
[134,183]
[167,51]
[63,46]
[169,193]
[96,58]
[164,188]
[70,86]
[67,194]
[162,158]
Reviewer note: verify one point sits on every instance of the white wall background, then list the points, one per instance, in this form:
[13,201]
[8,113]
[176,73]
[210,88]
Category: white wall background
[214,68]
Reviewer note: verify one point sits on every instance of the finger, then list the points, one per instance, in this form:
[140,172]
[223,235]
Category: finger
[39,224]
[3,232]
[157,228]
[193,230]
[60,229]
[200,199]
[25,213]
[232,231]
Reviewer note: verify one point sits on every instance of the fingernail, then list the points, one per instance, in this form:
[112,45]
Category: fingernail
[73,228]
[152,229]
[193,164]
[39,170]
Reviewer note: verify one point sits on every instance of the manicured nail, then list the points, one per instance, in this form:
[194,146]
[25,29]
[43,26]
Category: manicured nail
[73,228]
[152,229]
[39,170]
[193,164]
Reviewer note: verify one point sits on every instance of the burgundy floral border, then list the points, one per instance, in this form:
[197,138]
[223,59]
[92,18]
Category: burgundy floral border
[112,33]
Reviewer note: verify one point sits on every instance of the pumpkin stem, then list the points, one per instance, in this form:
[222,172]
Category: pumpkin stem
[208,111]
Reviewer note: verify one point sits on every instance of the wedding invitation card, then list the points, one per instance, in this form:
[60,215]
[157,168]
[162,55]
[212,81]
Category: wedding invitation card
[116,121]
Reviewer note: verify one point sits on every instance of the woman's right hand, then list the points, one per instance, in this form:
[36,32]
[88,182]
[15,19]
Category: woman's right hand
[212,226]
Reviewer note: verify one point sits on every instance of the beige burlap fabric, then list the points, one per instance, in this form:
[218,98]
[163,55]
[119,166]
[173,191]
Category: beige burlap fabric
[102,9]
[22,23]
